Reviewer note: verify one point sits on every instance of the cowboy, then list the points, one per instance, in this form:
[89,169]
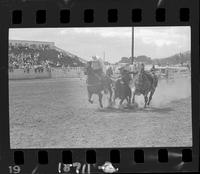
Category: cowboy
[142,67]
[97,67]
[109,72]
[153,69]
[125,75]
[151,75]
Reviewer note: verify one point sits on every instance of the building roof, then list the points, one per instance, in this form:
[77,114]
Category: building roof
[31,42]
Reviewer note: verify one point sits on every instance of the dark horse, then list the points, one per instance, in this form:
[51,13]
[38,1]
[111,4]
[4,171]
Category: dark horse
[145,83]
[122,91]
[96,84]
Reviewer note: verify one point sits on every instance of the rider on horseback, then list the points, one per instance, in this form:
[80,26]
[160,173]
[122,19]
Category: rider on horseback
[125,76]
[151,74]
[109,72]
[153,69]
[97,67]
[97,81]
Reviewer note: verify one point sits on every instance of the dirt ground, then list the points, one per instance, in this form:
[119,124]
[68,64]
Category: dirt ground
[55,113]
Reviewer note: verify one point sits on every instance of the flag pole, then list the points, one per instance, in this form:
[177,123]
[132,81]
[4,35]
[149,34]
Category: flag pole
[132,46]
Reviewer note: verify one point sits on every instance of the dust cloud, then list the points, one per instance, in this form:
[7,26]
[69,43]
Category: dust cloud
[168,91]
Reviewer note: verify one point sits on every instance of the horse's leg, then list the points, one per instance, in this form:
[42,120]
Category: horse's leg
[133,99]
[128,100]
[100,99]
[121,101]
[129,96]
[150,96]
[89,97]
[114,100]
[145,100]
[111,93]
[114,97]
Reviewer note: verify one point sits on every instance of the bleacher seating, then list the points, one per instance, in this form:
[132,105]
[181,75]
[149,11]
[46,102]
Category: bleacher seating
[21,56]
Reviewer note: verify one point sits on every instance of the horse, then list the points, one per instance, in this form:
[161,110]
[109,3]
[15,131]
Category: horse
[122,91]
[145,83]
[96,84]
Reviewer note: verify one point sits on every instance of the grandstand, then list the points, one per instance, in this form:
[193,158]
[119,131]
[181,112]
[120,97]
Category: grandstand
[26,58]
[33,44]
[29,53]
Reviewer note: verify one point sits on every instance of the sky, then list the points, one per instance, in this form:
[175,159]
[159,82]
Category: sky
[114,42]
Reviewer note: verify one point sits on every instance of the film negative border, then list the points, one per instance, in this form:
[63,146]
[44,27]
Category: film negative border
[124,160]
[88,16]
[104,13]
[138,156]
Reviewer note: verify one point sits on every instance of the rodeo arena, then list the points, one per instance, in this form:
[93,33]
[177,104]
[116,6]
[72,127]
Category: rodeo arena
[59,100]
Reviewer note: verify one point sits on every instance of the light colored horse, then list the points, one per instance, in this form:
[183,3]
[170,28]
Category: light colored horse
[97,84]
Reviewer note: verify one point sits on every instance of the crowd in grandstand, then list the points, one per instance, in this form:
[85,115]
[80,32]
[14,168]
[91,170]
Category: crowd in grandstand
[37,57]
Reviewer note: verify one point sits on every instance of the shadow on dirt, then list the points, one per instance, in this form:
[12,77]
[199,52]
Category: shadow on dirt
[135,109]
